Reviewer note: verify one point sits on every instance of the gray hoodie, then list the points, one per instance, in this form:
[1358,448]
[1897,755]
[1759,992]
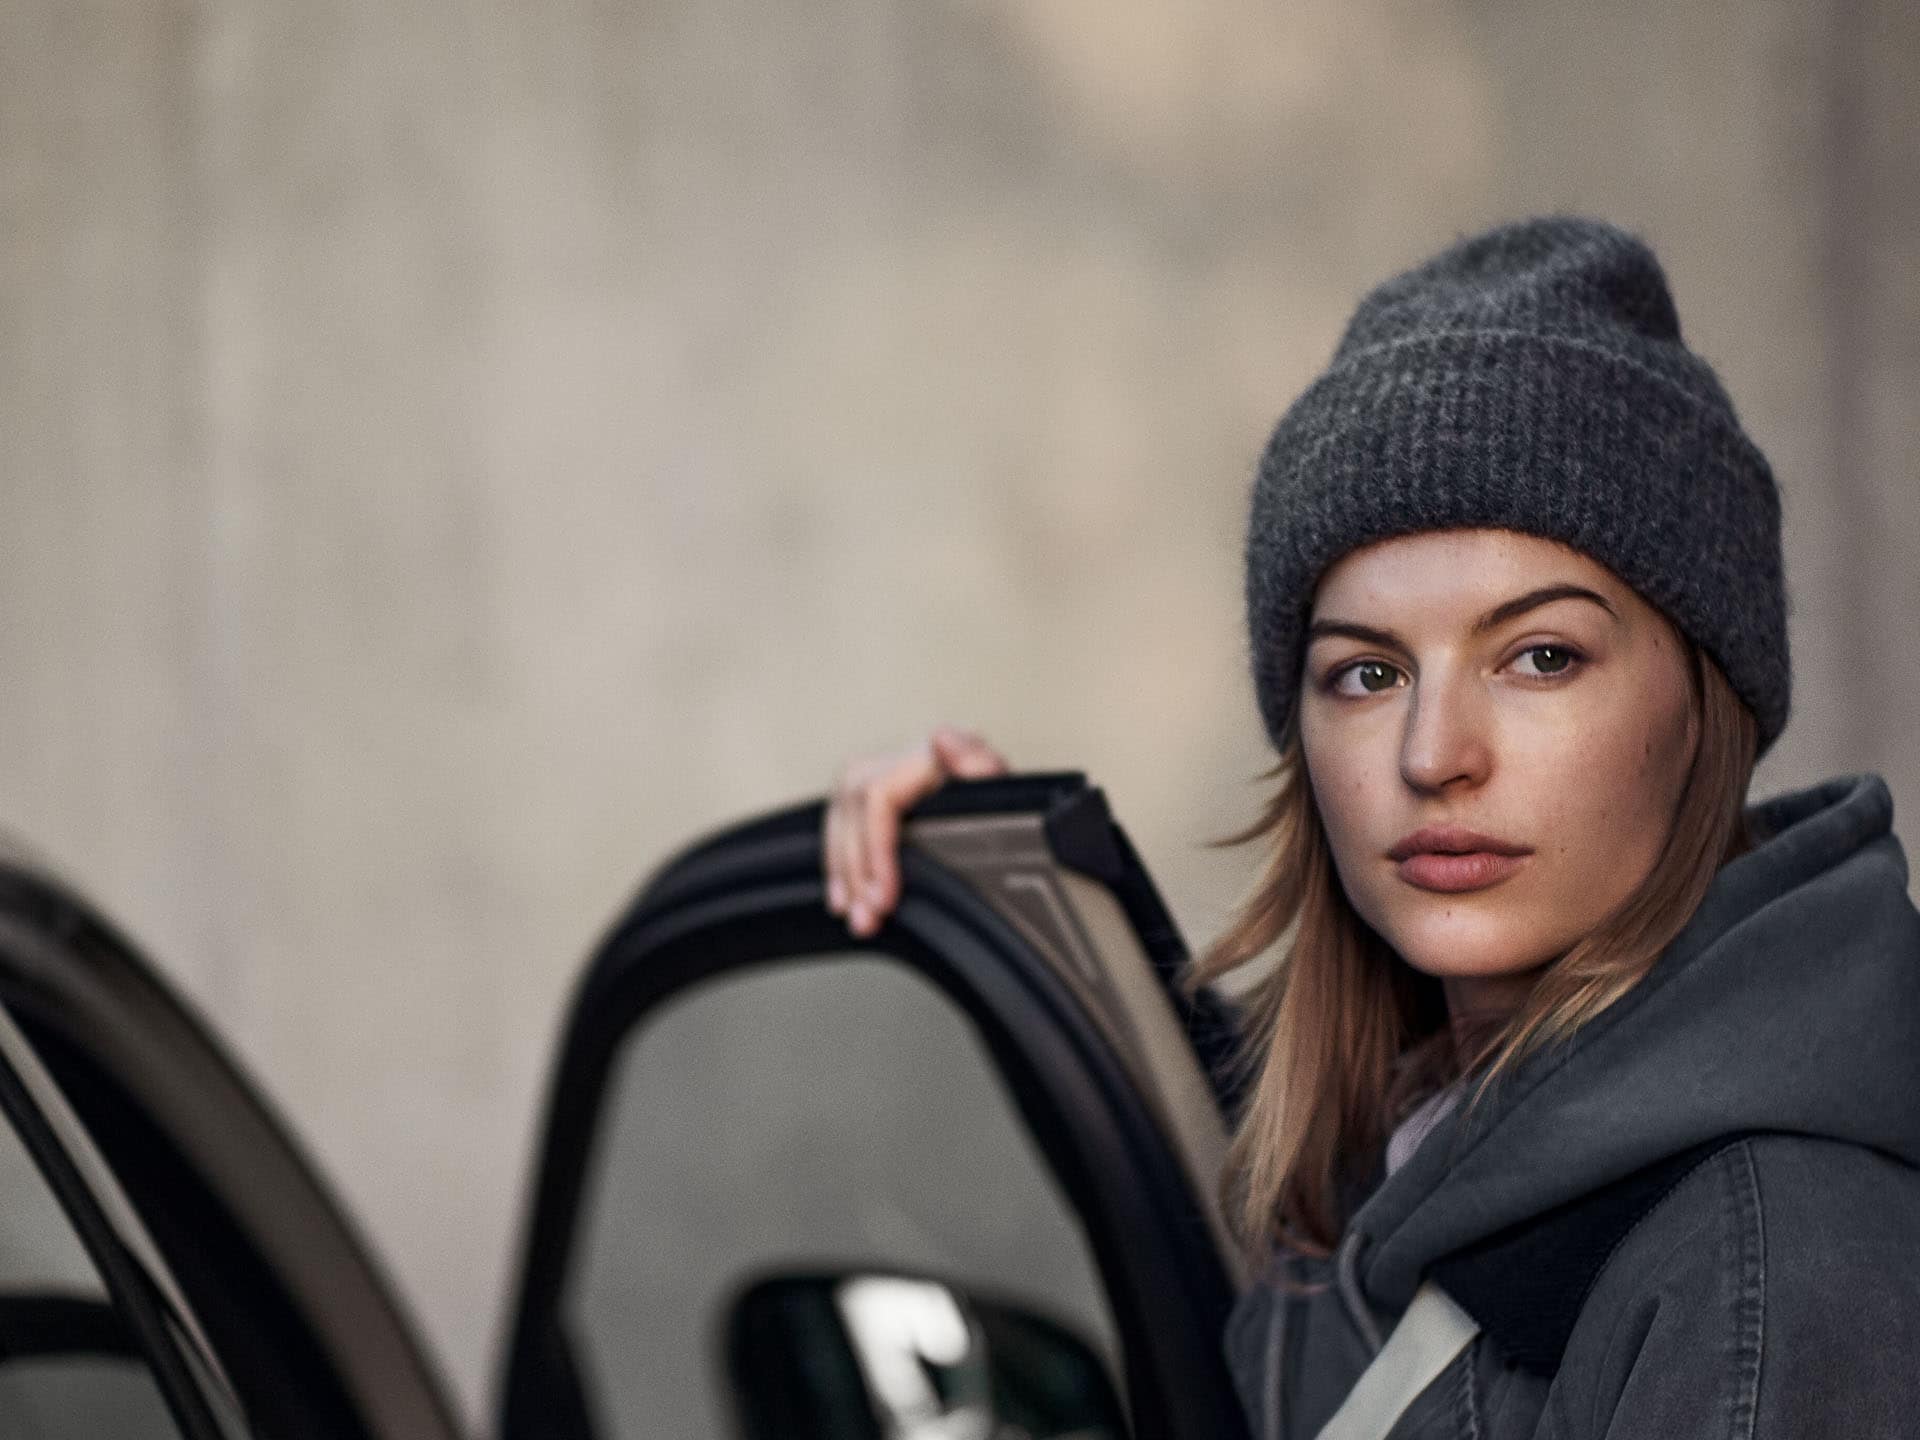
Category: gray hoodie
[1775,1290]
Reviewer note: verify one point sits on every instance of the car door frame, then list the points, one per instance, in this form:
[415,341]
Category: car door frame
[753,894]
[140,1289]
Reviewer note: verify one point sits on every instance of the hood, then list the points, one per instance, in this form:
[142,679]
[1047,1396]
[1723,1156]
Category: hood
[1790,1002]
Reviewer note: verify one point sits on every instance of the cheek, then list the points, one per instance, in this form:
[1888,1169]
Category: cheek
[1338,772]
[1605,792]
[1356,789]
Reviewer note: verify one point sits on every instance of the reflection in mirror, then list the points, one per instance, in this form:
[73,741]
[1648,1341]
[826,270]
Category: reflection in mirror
[897,1357]
[823,1113]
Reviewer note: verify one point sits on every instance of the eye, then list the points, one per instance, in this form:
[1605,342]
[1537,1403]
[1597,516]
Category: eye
[1371,677]
[1551,660]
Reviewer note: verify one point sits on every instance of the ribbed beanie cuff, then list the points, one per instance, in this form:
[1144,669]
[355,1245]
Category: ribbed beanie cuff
[1533,379]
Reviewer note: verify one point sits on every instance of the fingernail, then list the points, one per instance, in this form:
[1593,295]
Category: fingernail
[860,915]
[836,894]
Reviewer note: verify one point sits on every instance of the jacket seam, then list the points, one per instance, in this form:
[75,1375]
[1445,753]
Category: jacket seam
[1724,1161]
[1469,1398]
[1750,1306]
[1659,1204]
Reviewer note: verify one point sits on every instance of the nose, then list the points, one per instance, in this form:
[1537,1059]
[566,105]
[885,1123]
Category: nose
[1445,743]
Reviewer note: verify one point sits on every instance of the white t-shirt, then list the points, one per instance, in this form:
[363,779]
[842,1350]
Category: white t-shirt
[1411,1131]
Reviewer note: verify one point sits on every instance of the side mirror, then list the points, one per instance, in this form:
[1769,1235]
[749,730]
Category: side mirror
[860,1355]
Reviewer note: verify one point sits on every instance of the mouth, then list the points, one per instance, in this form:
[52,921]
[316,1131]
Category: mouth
[1449,859]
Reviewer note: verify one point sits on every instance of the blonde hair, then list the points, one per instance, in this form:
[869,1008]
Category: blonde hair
[1343,1037]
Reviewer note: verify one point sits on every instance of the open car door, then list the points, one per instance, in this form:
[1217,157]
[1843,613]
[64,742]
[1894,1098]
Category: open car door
[955,1179]
[192,1193]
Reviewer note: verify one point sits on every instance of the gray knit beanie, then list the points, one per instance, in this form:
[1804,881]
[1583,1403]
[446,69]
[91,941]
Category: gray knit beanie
[1531,378]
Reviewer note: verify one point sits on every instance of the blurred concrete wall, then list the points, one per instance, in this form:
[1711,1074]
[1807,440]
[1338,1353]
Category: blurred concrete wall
[450,453]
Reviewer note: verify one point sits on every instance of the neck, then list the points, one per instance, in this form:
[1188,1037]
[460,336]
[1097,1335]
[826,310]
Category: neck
[1480,1004]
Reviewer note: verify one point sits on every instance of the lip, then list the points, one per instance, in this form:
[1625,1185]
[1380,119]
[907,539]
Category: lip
[1451,859]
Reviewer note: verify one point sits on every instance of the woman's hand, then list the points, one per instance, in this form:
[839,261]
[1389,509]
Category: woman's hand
[871,793]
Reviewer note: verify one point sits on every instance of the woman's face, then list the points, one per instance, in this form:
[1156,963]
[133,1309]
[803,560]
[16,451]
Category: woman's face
[1504,684]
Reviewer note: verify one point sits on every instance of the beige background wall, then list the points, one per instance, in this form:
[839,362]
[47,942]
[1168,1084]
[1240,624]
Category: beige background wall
[450,453]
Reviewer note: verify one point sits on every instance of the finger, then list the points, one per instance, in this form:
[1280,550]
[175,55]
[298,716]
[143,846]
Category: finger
[966,755]
[881,817]
[859,910]
[832,856]
[917,775]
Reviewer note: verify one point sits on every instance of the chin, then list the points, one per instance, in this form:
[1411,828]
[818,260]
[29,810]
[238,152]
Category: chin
[1462,944]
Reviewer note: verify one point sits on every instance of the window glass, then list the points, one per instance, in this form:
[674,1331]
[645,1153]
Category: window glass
[69,1367]
[835,1112]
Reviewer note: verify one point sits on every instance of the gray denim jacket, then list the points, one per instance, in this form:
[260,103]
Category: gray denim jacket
[1772,1292]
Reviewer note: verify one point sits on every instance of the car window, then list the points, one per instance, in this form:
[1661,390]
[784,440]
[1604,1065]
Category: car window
[69,1366]
[873,1131]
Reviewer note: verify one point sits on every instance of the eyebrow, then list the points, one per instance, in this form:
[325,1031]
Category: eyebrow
[1499,615]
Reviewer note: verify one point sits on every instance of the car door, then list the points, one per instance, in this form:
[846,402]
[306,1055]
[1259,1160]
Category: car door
[265,1267]
[1001,1090]
[781,1169]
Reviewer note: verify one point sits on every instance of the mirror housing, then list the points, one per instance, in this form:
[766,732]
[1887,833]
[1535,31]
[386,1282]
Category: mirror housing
[880,1355]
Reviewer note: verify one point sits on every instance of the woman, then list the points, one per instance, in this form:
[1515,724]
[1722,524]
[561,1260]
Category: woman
[1575,1058]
